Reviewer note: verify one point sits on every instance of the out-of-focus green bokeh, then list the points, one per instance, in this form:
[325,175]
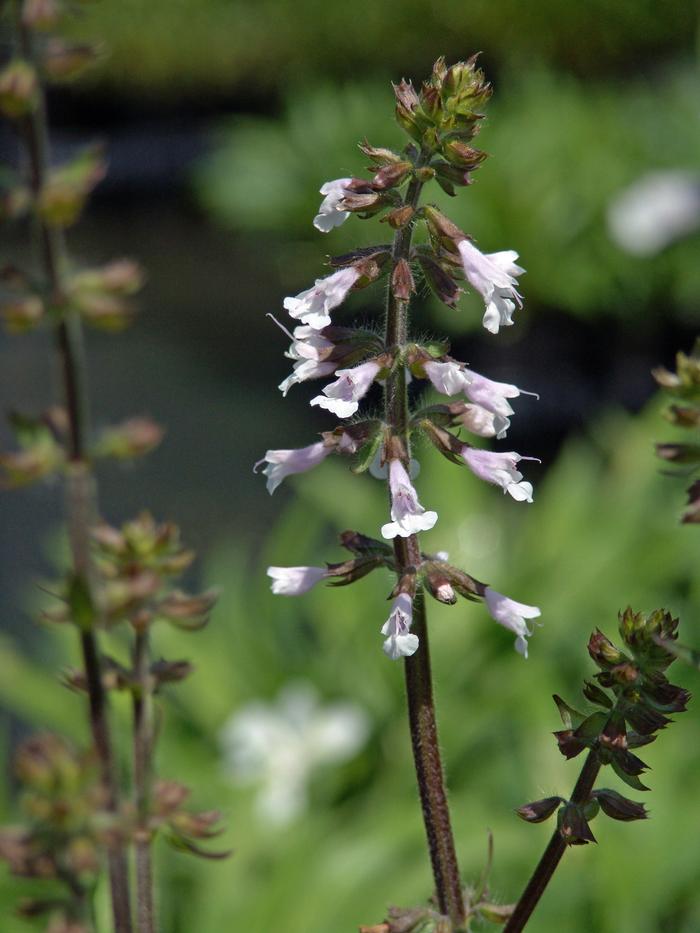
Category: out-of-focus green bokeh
[589,97]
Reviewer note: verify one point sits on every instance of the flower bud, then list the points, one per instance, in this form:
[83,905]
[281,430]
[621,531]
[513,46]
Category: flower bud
[41,14]
[14,202]
[390,176]
[618,807]
[539,810]
[603,652]
[465,157]
[400,217]
[402,284]
[440,281]
[133,438]
[64,194]
[573,826]
[379,156]
[22,314]
[439,585]
[19,89]
[64,61]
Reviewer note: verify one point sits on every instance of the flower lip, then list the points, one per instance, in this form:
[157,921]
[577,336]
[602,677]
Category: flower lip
[330,214]
[407,514]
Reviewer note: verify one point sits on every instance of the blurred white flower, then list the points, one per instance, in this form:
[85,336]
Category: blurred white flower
[279,744]
[654,211]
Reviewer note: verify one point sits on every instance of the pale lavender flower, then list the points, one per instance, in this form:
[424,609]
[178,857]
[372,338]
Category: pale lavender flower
[282,463]
[450,377]
[330,214]
[491,395]
[309,344]
[342,397]
[499,469]
[293,581]
[408,515]
[484,423]
[512,615]
[400,643]
[312,306]
[304,370]
[493,275]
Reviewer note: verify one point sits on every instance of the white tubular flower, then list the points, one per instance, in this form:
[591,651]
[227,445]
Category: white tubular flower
[493,275]
[499,469]
[342,397]
[293,581]
[448,378]
[400,643]
[330,214]
[512,615]
[492,395]
[312,307]
[304,370]
[484,423]
[282,463]
[408,515]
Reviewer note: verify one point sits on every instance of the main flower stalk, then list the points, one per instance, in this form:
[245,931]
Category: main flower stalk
[419,686]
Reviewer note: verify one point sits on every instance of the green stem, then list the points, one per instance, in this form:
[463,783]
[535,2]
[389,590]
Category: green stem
[81,504]
[419,689]
[143,761]
[552,855]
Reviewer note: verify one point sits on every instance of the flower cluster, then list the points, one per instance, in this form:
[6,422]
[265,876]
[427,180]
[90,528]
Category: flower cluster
[441,122]
[634,700]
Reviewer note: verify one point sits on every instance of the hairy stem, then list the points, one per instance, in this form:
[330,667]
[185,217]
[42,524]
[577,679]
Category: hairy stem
[143,753]
[419,689]
[81,505]
[552,854]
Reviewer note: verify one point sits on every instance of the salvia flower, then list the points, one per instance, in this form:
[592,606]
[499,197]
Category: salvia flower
[305,369]
[309,344]
[330,213]
[493,275]
[407,514]
[449,377]
[282,463]
[493,396]
[400,643]
[314,305]
[293,581]
[512,615]
[499,469]
[342,397]
[482,422]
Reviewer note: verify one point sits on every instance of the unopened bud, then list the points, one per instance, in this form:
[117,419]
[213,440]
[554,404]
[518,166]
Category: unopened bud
[440,587]
[14,202]
[399,217]
[539,810]
[402,284]
[66,60]
[463,156]
[22,314]
[379,155]
[618,807]
[41,14]
[440,281]
[390,176]
[573,826]
[63,196]
[133,438]
[19,89]
[603,652]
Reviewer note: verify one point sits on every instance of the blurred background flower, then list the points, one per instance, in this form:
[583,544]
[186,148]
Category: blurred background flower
[278,746]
